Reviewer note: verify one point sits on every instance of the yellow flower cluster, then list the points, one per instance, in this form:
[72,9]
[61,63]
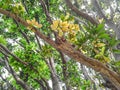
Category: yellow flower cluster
[64,27]
[98,44]
[33,23]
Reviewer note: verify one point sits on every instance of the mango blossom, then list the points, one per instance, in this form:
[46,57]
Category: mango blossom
[34,23]
[64,26]
[55,24]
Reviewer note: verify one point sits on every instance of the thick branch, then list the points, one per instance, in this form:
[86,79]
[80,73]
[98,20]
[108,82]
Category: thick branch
[80,13]
[67,48]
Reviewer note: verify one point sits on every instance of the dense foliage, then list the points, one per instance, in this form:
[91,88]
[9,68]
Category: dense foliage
[29,61]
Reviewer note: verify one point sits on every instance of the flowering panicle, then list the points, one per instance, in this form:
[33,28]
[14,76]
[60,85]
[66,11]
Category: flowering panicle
[65,28]
[33,23]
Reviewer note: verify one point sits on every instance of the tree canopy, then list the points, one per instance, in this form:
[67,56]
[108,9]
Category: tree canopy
[59,44]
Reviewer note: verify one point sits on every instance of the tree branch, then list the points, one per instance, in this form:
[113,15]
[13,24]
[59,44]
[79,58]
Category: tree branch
[80,13]
[67,49]
[101,14]
[23,33]
[99,10]
[18,59]
[45,10]
[9,85]
[18,80]
[38,42]
[41,84]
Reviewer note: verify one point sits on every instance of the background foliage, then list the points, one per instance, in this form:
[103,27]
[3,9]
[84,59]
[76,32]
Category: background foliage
[26,58]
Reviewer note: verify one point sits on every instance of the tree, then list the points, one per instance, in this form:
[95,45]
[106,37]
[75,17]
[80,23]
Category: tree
[59,41]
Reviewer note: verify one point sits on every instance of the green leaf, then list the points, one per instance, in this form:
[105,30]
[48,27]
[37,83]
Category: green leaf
[112,42]
[2,40]
[103,50]
[104,36]
[116,51]
[117,63]
[83,87]
[100,27]
[97,56]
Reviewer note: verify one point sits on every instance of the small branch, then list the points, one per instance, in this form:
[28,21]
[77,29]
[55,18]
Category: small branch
[18,59]
[110,23]
[2,62]
[51,61]
[80,13]
[9,85]
[47,84]
[65,73]
[48,63]
[18,43]
[2,51]
[112,13]
[101,14]
[23,33]
[55,80]
[47,4]
[23,2]
[41,83]
[45,10]
[18,80]
[64,67]
[98,8]
[38,42]
[80,21]
[25,36]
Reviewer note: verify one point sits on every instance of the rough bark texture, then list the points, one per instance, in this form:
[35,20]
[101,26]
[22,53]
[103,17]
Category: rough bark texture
[67,49]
